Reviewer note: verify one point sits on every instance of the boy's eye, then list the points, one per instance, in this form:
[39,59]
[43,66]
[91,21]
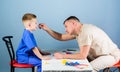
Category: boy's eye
[35,23]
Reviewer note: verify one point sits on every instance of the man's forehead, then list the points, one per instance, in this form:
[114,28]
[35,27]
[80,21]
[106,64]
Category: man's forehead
[68,21]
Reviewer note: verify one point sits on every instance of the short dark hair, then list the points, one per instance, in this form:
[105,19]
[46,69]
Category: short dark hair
[72,18]
[28,16]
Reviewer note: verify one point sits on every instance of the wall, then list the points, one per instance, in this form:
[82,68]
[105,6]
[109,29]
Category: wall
[103,13]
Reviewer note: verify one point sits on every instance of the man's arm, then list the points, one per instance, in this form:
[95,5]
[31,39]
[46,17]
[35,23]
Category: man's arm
[84,50]
[56,35]
[59,36]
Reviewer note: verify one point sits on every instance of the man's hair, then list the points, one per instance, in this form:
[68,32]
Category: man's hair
[72,18]
[28,16]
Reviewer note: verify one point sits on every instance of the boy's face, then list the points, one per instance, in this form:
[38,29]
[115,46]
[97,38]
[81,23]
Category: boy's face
[33,24]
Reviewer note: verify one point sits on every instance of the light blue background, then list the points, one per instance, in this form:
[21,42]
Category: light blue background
[103,13]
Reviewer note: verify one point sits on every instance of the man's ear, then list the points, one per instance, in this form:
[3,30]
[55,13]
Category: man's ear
[74,23]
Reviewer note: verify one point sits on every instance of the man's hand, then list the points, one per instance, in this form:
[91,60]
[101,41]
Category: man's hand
[58,55]
[43,26]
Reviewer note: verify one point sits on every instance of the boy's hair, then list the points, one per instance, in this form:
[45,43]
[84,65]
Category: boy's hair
[28,16]
[71,18]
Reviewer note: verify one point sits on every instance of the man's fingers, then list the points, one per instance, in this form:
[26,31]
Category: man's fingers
[40,26]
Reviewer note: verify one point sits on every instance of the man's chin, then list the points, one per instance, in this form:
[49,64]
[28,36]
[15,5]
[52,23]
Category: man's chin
[70,34]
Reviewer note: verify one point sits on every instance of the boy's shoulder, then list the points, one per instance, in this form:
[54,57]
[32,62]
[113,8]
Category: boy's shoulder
[27,33]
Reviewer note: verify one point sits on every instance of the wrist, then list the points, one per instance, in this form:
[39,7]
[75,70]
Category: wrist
[41,57]
[47,29]
[63,56]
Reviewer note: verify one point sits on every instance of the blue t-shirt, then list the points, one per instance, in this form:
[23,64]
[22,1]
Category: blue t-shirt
[25,47]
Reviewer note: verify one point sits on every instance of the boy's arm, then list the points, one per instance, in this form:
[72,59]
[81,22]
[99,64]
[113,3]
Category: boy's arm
[37,53]
[44,53]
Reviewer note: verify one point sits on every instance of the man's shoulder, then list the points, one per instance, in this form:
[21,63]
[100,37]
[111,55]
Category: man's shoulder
[85,24]
[87,28]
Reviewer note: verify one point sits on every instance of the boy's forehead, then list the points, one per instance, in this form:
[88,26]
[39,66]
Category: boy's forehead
[34,19]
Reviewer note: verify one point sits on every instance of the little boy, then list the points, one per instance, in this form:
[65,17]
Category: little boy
[28,51]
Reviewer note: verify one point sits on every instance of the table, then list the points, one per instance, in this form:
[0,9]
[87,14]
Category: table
[55,65]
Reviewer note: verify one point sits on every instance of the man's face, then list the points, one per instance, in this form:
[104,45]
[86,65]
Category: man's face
[69,27]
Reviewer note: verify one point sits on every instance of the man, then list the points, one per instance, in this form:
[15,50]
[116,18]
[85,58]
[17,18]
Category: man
[93,42]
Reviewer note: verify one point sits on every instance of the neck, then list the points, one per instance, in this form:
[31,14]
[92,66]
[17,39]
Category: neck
[78,29]
[29,29]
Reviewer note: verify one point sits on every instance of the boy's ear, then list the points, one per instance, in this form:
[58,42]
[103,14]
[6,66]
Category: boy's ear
[29,24]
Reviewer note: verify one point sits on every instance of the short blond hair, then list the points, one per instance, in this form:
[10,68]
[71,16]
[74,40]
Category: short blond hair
[28,16]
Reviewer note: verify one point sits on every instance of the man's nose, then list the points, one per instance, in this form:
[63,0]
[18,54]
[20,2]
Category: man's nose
[65,30]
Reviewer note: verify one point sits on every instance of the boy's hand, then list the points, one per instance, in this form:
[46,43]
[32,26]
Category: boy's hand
[43,26]
[45,58]
[45,53]
[58,55]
